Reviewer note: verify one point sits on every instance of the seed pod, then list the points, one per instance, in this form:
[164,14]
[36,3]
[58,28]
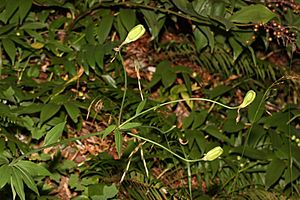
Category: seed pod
[134,34]
[213,154]
[249,98]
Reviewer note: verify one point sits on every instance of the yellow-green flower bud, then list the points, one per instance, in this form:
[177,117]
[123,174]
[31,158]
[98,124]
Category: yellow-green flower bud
[249,98]
[213,154]
[134,34]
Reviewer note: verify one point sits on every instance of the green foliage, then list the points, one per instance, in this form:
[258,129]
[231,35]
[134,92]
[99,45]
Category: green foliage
[61,68]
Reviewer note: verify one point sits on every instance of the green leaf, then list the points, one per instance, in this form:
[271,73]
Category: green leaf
[140,106]
[110,191]
[10,49]
[24,7]
[200,39]
[274,171]
[199,118]
[250,152]
[118,141]
[72,110]
[5,172]
[257,13]
[164,70]
[32,168]
[291,174]
[90,56]
[155,21]
[128,18]
[104,28]
[237,48]
[107,131]
[130,125]
[10,7]
[28,180]
[210,37]
[55,133]
[33,25]
[218,91]
[48,111]
[17,183]
[187,121]
[215,132]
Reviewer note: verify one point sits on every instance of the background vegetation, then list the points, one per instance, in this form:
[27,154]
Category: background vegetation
[82,118]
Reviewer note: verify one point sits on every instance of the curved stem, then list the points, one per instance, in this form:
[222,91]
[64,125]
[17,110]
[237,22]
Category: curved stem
[163,147]
[176,101]
[125,88]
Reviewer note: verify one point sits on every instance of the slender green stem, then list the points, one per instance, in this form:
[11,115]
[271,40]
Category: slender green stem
[264,97]
[125,88]
[163,147]
[176,101]
[127,121]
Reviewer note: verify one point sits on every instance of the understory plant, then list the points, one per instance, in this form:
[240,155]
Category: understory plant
[79,120]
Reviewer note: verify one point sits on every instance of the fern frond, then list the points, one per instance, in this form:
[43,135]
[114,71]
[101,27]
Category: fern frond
[142,190]
[222,62]
[8,117]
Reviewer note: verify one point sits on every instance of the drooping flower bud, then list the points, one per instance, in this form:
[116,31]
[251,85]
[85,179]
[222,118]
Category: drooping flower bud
[249,98]
[134,34]
[213,154]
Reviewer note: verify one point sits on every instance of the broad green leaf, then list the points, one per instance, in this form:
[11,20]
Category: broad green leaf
[28,180]
[99,56]
[199,118]
[210,37]
[140,106]
[168,76]
[274,171]
[110,191]
[104,28]
[218,91]
[200,39]
[128,18]
[291,174]
[10,8]
[215,132]
[55,133]
[2,147]
[250,152]
[72,110]
[6,28]
[33,25]
[24,7]
[257,13]
[187,121]
[257,132]
[118,141]
[107,131]
[32,168]
[130,125]
[5,172]
[17,183]
[48,111]
[237,48]
[10,49]
[155,21]
[90,56]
